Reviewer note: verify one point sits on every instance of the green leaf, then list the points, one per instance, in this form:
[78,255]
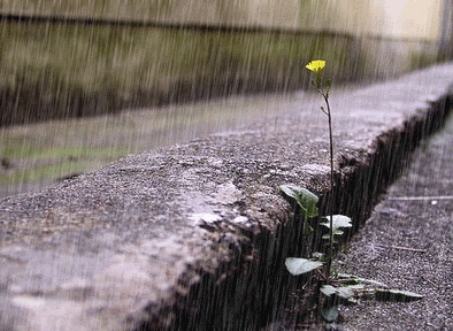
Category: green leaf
[336,232]
[318,255]
[359,280]
[342,275]
[396,296]
[338,221]
[305,199]
[330,314]
[298,266]
[344,292]
[328,290]
[327,237]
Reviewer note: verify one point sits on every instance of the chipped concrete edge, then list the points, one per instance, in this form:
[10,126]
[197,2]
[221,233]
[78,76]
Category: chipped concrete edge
[361,179]
[194,237]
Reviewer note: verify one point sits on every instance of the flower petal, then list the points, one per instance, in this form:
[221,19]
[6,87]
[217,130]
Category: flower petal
[316,65]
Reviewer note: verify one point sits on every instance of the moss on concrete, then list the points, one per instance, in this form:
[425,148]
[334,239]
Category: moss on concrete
[421,59]
[50,70]
[137,9]
[44,152]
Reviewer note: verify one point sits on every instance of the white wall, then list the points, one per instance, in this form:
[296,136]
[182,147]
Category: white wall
[410,19]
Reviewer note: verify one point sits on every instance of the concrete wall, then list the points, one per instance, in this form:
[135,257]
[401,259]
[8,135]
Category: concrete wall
[391,18]
[446,42]
[408,19]
[58,69]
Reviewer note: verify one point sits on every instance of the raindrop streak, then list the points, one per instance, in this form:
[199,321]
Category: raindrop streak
[38,154]
[85,82]
[83,58]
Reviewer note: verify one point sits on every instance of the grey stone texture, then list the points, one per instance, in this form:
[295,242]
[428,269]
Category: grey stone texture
[193,237]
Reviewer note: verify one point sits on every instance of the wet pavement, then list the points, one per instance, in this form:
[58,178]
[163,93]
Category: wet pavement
[38,155]
[408,244]
[194,236]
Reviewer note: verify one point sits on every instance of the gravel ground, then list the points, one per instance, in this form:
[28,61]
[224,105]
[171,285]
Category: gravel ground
[408,244]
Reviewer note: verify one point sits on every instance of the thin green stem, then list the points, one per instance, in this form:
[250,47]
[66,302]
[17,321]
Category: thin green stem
[331,202]
[325,95]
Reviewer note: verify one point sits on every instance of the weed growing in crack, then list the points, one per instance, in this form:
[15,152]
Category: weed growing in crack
[333,288]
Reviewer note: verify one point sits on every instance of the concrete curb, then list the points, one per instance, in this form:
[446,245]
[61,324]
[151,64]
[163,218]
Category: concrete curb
[194,237]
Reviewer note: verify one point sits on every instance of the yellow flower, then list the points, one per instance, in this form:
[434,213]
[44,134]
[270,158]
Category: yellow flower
[316,66]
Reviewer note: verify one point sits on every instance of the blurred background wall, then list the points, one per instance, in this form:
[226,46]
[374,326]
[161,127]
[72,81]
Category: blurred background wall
[77,58]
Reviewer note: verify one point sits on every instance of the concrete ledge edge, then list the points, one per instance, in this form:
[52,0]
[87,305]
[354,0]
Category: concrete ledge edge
[194,237]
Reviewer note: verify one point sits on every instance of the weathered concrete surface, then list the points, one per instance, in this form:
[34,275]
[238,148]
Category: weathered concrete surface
[407,243]
[194,236]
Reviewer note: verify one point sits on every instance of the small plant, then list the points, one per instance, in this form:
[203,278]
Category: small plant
[334,288]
